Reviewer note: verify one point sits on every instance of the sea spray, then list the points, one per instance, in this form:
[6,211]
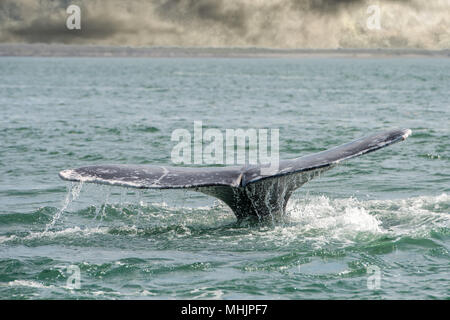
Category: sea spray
[184,196]
[105,204]
[72,194]
[140,203]
[163,202]
[102,201]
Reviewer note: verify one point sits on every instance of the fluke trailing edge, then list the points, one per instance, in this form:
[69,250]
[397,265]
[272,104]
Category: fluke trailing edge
[242,188]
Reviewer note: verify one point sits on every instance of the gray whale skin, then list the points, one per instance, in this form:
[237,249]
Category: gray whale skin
[244,189]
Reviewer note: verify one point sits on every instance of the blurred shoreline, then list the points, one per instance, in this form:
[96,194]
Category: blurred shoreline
[63,50]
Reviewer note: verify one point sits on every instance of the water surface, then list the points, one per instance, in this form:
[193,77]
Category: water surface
[386,211]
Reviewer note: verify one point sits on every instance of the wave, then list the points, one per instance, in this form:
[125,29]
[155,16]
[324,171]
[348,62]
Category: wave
[26,283]
[373,216]
[316,219]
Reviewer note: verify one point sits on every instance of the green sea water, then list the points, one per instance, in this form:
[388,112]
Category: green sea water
[376,227]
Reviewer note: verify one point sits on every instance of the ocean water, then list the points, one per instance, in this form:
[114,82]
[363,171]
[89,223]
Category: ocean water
[375,227]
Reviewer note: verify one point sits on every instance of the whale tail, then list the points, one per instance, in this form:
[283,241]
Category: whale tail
[246,190]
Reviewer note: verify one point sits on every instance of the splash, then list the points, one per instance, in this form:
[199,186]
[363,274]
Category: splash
[322,219]
[29,284]
[338,217]
[315,221]
[72,194]
[68,232]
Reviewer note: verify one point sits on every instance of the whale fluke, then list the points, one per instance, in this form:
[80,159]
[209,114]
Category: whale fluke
[244,189]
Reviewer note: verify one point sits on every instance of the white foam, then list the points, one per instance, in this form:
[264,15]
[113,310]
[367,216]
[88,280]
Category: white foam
[339,215]
[343,219]
[28,283]
[413,216]
[205,293]
[320,221]
[54,234]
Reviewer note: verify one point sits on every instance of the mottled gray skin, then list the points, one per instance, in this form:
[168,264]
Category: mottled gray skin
[266,197]
[244,189]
